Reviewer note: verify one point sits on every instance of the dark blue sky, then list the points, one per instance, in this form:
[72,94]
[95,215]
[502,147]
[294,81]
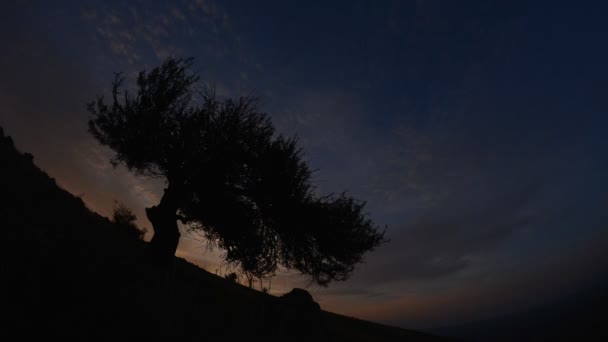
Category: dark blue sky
[474,129]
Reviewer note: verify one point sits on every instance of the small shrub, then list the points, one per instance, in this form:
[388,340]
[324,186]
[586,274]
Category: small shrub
[232,277]
[124,217]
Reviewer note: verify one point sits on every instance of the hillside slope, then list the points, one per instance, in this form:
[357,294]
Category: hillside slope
[578,317]
[69,272]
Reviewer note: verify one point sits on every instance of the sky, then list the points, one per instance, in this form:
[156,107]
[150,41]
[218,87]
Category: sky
[474,130]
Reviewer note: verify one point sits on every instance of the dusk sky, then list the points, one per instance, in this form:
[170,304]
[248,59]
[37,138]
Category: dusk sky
[474,130]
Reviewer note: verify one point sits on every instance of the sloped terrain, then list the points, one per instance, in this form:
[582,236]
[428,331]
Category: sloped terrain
[67,271]
[578,317]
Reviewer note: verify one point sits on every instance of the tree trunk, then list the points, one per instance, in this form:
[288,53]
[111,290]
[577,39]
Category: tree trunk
[164,222]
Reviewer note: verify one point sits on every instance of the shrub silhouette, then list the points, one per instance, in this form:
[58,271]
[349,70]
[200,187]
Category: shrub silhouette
[233,277]
[230,177]
[124,218]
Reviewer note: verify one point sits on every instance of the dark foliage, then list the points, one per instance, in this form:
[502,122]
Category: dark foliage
[231,177]
[124,218]
[233,277]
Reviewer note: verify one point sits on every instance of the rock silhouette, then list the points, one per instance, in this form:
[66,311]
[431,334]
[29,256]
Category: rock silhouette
[299,313]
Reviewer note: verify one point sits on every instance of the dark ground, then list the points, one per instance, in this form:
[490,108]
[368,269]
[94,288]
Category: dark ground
[69,272]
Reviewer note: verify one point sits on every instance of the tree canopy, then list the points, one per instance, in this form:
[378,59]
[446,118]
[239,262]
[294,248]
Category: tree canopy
[230,176]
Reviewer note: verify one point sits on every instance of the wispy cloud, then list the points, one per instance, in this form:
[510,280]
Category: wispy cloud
[130,31]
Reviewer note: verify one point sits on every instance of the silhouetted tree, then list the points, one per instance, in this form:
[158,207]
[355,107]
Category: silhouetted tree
[124,218]
[230,177]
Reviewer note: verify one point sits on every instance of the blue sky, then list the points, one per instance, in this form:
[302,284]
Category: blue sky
[473,129]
